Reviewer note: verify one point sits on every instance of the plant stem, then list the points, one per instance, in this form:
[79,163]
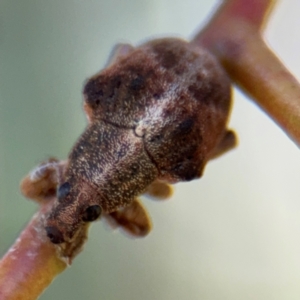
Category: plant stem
[31,263]
[233,35]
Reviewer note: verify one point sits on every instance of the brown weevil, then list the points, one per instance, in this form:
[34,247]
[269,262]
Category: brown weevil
[157,114]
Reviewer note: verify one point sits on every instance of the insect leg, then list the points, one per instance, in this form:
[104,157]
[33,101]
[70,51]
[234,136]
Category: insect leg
[159,190]
[118,51]
[42,181]
[228,142]
[133,219]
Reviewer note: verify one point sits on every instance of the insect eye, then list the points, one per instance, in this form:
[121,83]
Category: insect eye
[63,191]
[91,213]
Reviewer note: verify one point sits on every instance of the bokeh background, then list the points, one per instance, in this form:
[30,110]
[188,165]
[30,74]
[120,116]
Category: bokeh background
[234,234]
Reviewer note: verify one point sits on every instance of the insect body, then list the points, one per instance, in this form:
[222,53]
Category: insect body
[156,113]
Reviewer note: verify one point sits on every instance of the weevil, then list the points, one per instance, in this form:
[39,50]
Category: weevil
[156,115]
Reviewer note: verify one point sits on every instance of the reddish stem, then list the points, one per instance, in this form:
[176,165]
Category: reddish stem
[31,263]
[233,35]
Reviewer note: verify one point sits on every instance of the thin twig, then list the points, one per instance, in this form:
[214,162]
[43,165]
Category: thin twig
[233,35]
[31,263]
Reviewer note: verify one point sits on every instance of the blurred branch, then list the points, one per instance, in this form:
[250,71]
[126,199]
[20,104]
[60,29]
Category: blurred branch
[234,36]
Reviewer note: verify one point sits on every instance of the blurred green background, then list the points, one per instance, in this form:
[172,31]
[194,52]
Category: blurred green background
[234,234]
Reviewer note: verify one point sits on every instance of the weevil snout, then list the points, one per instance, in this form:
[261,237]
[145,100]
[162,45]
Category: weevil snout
[55,236]
[75,206]
[59,232]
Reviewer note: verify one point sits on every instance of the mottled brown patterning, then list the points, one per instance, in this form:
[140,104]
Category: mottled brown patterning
[157,113]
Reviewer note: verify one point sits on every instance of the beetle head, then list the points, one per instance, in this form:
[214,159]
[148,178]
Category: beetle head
[76,205]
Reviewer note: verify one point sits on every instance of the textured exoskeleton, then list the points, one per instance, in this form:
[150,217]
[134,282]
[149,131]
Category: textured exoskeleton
[157,114]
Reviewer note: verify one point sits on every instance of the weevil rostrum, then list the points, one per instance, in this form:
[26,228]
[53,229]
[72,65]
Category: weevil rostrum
[157,114]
